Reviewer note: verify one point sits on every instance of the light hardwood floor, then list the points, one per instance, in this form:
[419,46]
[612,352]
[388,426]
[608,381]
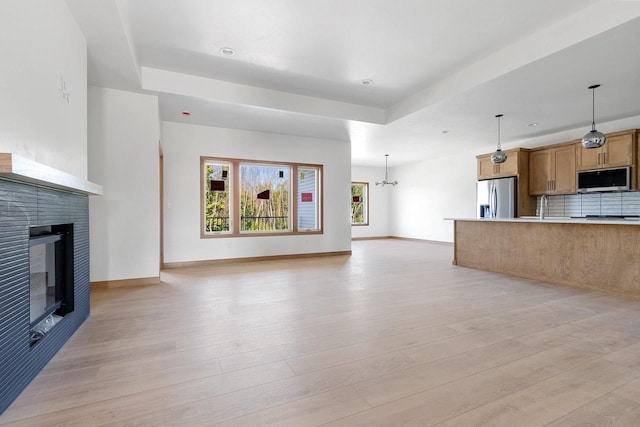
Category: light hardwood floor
[392,335]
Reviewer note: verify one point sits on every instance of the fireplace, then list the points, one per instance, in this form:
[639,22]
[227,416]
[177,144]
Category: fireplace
[44,267]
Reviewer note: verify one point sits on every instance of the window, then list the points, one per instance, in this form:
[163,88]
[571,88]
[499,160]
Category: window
[264,197]
[217,207]
[359,203]
[245,197]
[307,199]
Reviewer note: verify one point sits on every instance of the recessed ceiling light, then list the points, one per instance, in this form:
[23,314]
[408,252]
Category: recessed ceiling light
[186,113]
[366,82]
[533,124]
[227,51]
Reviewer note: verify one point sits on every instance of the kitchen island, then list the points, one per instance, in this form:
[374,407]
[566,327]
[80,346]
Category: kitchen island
[597,254]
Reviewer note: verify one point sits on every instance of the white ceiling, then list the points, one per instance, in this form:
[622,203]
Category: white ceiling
[436,65]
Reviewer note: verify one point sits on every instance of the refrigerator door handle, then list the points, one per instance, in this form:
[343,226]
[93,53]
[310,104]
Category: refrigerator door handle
[493,200]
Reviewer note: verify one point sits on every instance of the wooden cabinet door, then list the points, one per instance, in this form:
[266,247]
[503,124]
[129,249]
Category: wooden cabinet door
[510,166]
[588,158]
[618,151]
[562,166]
[488,170]
[485,167]
[538,172]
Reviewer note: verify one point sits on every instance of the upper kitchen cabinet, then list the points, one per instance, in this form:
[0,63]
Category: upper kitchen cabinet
[618,150]
[517,164]
[488,170]
[539,172]
[552,170]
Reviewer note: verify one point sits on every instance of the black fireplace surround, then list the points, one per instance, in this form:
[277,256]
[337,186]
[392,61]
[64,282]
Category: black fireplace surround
[23,206]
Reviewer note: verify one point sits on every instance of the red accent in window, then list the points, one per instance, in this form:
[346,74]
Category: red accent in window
[217,185]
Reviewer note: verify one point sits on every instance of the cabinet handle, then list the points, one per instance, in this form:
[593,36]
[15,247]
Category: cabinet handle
[604,158]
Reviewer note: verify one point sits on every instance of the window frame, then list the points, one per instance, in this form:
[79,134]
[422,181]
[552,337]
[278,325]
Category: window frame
[203,202]
[365,205]
[235,190]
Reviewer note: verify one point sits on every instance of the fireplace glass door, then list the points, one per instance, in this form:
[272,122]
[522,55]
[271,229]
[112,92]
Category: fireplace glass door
[50,277]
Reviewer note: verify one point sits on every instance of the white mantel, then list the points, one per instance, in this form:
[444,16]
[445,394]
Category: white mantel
[21,169]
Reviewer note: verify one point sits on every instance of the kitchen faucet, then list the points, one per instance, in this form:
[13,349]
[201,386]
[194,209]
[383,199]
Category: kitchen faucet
[544,202]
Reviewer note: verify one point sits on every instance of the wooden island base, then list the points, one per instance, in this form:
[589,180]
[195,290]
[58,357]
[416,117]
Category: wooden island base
[593,255]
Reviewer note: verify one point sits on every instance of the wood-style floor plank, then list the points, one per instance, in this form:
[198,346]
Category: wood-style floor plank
[392,335]
[555,397]
[312,411]
[608,410]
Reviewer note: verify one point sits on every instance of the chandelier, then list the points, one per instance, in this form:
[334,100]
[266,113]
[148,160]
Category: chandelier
[386,173]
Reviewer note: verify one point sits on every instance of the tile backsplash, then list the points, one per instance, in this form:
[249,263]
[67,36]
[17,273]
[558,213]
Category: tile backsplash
[615,203]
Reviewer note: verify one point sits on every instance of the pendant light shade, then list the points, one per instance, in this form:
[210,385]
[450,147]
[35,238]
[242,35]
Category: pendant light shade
[498,156]
[593,139]
[386,174]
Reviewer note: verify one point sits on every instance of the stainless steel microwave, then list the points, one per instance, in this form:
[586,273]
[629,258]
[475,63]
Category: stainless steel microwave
[617,179]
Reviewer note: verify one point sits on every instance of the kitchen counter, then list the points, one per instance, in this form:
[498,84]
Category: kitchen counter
[598,254]
[554,220]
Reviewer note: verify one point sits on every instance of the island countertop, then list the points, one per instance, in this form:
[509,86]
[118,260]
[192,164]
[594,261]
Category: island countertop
[597,254]
[555,220]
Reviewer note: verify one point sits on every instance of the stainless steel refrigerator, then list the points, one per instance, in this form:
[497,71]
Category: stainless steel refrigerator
[496,198]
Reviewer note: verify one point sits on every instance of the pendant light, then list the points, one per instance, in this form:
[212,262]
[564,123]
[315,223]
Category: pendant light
[386,173]
[498,156]
[593,139]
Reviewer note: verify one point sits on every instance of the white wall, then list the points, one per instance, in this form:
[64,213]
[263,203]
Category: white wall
[378,202]
[39,41]
[184,144]
[432,190]
[124,132]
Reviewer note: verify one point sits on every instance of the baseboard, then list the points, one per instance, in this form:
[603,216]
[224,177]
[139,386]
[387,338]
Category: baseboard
[409,239]
[437,242]
[142,281]
[371,238]
[209,262]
